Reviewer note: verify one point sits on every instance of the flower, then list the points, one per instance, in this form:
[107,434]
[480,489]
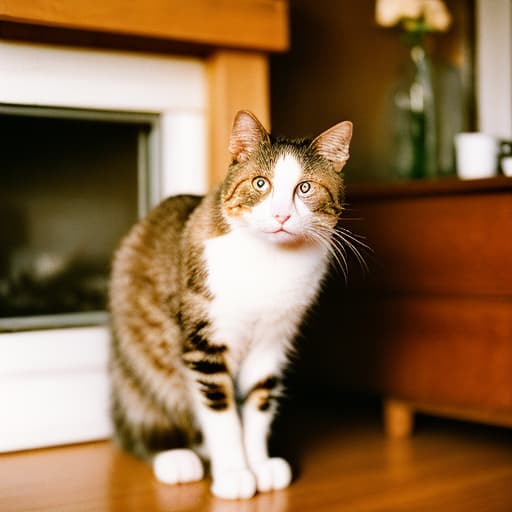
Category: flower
[414,15]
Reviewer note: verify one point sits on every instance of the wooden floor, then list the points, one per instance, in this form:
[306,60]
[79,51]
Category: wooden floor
[344,464]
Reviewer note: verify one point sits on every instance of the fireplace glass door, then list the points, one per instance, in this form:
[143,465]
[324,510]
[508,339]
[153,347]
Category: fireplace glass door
[71,185]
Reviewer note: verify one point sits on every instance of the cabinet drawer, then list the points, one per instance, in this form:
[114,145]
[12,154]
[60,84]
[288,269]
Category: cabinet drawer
[459,244]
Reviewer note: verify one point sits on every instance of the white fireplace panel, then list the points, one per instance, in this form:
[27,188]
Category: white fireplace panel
[183,171]
[80,78]
[54,382]
[53,387]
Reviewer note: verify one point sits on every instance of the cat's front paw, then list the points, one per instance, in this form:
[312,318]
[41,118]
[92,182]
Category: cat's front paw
[234,484]
[272,474]
[178,467]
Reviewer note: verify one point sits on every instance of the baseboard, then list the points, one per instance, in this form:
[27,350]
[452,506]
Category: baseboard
[53,387]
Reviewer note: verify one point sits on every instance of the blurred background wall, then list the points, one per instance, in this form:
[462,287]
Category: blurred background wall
[342,65]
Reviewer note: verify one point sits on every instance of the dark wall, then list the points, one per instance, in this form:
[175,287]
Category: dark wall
[342,65]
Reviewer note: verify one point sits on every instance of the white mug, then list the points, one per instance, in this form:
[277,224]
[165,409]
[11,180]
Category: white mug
[506,165]
[477,155]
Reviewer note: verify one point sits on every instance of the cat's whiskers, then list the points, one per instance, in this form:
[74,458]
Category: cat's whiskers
[355,237]
[340,249]
[336,255]
[322,236]
[342,237]
[345,237]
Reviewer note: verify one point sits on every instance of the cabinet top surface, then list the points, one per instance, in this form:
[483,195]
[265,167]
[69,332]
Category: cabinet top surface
[420,188]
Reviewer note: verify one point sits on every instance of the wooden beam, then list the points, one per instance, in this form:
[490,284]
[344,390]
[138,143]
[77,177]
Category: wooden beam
[250,24]
[237,81]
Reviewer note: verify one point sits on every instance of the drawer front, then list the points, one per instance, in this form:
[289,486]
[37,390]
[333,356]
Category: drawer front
[439,244]
[449,351]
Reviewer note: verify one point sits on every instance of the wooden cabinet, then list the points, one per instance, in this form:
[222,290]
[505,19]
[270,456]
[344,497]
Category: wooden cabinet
[430,327]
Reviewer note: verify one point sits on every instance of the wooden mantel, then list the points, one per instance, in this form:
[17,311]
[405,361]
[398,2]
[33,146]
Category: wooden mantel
[234,36]
[250,24]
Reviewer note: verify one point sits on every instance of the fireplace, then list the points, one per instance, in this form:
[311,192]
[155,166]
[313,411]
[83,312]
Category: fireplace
[90,141]
[72,184]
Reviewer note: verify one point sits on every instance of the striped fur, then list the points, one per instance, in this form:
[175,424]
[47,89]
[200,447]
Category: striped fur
[207,295]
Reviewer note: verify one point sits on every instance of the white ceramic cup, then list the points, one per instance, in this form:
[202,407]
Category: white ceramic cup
[477,155]
[506,165]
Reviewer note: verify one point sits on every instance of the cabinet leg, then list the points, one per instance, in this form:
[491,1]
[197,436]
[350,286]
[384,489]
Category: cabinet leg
[398,419]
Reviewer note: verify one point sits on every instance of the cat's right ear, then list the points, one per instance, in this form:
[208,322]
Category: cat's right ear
[246,135]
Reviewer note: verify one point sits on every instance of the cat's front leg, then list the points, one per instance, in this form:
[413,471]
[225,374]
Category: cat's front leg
[231,476]
[261,387]
[216,411]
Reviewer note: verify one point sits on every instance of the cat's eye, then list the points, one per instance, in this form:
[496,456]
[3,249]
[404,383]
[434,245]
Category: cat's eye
[305,188]
[261,184]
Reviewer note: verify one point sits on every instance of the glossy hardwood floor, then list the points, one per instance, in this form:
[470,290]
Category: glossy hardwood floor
[344,464]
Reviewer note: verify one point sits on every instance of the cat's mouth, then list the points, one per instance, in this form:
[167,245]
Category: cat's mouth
[282,235]
[279,230]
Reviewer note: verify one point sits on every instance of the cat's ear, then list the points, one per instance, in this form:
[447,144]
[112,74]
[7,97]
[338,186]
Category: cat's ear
[333,144]
[246,135]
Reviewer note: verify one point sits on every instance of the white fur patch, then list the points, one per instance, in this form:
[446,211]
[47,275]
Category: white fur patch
[256,429]
[260,289]
[178,466]
[223,438]
[268,216]
[272,475]
[286,176]
[233,485]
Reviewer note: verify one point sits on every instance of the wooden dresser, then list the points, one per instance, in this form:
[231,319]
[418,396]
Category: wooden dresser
[430,327]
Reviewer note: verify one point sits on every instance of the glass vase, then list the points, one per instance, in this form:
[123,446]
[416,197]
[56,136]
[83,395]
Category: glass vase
[414,152]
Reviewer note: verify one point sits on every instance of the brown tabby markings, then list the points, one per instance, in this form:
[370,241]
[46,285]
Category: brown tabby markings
[261,393]
[160,301]
[216,395]
[145,356]
[238,193]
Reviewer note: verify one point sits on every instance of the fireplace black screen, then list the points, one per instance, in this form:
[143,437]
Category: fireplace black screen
[69,190]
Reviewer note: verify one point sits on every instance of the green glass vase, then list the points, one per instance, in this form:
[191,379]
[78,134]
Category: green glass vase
[414,151]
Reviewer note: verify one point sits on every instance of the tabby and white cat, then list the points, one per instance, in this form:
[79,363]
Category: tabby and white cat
[207,295]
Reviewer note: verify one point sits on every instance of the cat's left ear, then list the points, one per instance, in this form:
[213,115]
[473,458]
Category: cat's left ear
[333,144]
[246,135]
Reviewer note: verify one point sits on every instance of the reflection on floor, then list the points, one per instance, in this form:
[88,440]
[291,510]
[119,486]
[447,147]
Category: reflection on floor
[342,460]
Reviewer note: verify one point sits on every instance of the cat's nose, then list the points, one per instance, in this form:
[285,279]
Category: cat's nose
[281,217]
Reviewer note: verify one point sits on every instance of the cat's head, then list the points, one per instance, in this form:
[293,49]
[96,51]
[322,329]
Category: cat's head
[287,191]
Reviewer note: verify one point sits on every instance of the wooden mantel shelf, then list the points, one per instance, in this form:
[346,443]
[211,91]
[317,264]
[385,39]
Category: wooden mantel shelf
[245,24]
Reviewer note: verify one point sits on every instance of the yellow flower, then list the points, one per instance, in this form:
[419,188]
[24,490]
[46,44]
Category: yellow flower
[437,15]
[433,13]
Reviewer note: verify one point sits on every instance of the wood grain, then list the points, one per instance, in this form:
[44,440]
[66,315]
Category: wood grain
[448,351]
[377,191]
[398,418]
[251,24]
[431,324]
[237,80]
[445,351]
[344,464]
[441,238]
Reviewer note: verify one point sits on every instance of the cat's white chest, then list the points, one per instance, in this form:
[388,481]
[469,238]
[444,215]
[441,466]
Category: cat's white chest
[256,284]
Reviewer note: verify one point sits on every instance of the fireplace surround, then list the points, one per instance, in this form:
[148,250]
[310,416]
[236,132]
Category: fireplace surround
[207,59]
[54,386]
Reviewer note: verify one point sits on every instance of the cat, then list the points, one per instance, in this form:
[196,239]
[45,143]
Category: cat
[206,297]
